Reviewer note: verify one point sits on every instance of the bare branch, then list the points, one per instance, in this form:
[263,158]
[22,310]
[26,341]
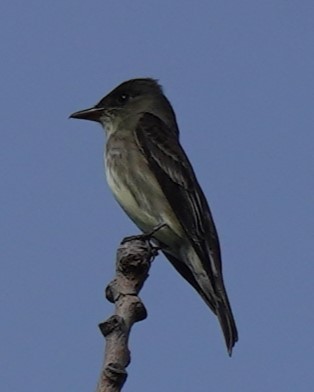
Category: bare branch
[134,258]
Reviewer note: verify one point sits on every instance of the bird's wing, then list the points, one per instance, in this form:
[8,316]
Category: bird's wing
[175,175]
[177,179]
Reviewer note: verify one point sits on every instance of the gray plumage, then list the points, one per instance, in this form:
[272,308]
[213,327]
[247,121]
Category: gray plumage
[154,182]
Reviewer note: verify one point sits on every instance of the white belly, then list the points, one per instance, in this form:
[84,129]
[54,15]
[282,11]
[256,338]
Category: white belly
[129,201]
[140,196]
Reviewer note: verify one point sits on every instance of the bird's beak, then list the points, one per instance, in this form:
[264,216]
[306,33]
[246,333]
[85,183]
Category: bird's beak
[92,114]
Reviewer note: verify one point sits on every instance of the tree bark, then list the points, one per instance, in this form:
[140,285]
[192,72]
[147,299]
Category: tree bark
[134,258]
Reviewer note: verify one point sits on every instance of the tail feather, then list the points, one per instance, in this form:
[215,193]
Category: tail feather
[220,306]
[218,301]
[227,323]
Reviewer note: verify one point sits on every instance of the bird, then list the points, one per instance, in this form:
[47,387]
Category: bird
[154,182]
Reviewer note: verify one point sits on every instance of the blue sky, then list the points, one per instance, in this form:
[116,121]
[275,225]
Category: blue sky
[240,77]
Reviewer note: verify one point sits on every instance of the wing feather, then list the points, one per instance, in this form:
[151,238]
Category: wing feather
[172,169]
[176,176]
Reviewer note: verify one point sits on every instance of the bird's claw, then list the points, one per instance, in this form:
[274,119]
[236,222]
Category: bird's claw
[145,236]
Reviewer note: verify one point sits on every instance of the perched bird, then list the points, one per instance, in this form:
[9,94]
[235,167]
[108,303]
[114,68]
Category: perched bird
[155,184]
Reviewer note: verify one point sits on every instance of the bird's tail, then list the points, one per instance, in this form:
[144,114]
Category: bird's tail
[226,320]
[212,289]
[221,307]
[219,304]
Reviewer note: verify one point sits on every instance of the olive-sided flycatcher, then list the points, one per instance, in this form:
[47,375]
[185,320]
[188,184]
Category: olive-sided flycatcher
[155,184]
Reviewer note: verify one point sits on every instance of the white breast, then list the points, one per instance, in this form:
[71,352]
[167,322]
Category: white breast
[133,192]
[137,191]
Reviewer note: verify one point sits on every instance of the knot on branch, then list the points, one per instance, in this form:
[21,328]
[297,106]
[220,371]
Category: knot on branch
[115,373]
[114,323]
[139,311]
[134,256]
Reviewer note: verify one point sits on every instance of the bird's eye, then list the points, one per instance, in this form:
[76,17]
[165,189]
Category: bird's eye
[123,98]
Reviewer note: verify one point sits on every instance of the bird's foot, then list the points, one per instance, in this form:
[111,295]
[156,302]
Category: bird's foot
[145,236]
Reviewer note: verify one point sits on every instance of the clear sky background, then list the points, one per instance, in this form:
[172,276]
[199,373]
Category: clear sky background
[240,77]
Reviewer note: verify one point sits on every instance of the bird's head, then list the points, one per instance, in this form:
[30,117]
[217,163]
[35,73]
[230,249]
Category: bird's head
[130,98]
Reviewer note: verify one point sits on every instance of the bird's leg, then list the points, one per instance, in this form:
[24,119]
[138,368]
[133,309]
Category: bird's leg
[145,236]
